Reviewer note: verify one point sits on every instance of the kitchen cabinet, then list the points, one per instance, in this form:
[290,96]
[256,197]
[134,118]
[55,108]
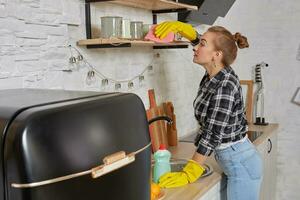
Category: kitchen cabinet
[213,194]
[268,151]
[218,192]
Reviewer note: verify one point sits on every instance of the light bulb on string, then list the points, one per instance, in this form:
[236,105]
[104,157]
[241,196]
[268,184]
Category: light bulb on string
[150,70]
[90,78]
[79,57]
[72,60]
[75,64]
[141,80]
[130,85]
[72,64]
[104,83]
[118,86]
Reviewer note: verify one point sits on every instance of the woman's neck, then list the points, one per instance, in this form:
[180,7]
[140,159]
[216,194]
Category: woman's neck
[212,70]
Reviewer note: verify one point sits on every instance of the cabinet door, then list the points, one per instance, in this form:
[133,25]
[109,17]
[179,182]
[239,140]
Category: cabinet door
[264,189]
[213,194]
[272,162]
[268,150]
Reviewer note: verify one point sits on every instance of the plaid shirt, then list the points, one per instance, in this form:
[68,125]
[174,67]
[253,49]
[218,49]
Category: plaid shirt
[220,111]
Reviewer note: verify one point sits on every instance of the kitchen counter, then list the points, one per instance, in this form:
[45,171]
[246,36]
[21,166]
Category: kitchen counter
[195,191]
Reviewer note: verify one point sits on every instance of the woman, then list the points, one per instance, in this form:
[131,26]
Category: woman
[219,109]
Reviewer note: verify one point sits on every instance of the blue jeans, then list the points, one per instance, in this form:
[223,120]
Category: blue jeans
[243,167]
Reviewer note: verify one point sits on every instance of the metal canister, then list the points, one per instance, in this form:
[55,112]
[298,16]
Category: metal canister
[111,26]
[126,28]
[136,30]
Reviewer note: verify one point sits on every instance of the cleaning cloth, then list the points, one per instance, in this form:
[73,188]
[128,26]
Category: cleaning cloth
[151,36]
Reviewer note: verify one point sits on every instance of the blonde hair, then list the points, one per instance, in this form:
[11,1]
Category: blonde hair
[228,43]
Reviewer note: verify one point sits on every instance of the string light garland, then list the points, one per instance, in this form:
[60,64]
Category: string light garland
[105,83]
[93,73]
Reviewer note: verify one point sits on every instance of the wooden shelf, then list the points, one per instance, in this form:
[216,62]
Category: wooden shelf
[154,5]
[110,43]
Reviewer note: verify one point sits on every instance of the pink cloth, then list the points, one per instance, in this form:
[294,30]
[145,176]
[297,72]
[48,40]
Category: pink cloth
[151,36]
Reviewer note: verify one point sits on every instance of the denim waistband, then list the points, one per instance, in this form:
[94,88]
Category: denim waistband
[241,146]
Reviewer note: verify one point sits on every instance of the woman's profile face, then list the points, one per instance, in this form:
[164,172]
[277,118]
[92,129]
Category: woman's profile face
[204,51]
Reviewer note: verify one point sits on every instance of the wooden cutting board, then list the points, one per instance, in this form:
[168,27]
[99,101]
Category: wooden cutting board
[171,128]
[158,129]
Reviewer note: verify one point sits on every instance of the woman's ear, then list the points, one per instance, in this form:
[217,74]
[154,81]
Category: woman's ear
[218,55]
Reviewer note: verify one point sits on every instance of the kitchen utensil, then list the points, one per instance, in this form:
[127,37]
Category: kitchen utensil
[259,95]
[136,29]
[111,26]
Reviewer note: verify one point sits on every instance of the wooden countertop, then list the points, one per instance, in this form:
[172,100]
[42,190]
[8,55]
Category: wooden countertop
[266,130]
[194,191]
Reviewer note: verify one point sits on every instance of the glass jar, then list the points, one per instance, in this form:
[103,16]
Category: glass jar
[146,28]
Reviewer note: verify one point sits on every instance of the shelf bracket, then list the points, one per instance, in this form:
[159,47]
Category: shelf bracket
[171,47]
[154,18]
[94,46]
[169,11]
[88,26]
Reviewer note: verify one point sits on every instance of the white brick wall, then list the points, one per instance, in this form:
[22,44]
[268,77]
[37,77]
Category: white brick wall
[33,34]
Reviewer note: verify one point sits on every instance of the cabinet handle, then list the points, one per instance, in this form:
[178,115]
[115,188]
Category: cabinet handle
[271,146]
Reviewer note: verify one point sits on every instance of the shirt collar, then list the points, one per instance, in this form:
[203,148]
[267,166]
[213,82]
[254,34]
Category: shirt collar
[211,83]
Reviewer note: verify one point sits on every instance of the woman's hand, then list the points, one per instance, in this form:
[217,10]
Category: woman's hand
[199,158]
[190,173]
[186,30]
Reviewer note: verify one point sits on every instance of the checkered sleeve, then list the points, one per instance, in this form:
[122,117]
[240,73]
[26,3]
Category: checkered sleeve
[218,114]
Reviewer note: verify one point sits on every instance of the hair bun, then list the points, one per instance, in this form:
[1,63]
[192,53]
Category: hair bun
[241,40]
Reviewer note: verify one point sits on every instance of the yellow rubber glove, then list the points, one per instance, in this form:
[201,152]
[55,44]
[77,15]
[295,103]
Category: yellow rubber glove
[186,30]
[190,173]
